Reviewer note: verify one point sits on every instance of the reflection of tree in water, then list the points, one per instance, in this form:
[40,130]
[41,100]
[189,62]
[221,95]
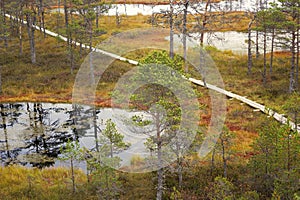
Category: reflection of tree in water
[79,121]
[9,116]
[43,137]
[40,139]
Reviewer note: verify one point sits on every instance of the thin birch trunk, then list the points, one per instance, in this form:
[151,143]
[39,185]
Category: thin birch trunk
[250,63]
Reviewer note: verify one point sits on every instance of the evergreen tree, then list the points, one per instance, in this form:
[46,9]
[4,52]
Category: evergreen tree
[112,138]
[276,162]
[71,152]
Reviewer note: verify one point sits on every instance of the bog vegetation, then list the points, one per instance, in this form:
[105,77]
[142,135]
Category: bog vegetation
[254,158]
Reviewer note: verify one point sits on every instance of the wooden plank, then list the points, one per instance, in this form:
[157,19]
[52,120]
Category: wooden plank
[253,104]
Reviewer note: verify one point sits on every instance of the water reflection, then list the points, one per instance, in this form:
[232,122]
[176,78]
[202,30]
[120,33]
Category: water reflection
[9,117]
[33,133]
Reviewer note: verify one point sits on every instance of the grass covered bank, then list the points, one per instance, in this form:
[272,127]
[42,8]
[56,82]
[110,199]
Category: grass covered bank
[50,183]
[55,183]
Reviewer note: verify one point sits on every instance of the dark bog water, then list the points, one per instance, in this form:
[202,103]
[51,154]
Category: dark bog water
[32,134]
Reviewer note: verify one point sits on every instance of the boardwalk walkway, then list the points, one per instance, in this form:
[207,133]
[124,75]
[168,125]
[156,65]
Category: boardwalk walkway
[253,104]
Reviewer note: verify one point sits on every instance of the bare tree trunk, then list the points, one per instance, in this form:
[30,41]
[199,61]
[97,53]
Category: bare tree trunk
[91,35]
[159,190]
[95,129]
[257,44]
[202,67]
[202,60]
[125,8]
[204,22]
[264,74]
[2,8]
[67,21]
[15,22]
[152,16]
[224,158]
[58,17]
[118,18]
[293,61]
[296,120]
[257,34]
[185,13]
[20,33]
[97,16]
[32,46]
[3,12]
[43,18]
[289,155]
[250,49]
[41,15]
[90,29]
[30,29]
[20,41]
[71,54]
[69,36]
[212,167]
[73,176]
[179,171]
[171,29]
[80,48]
[272,52]
[111,150]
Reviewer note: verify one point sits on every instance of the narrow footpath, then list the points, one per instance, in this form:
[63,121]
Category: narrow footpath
[279,117]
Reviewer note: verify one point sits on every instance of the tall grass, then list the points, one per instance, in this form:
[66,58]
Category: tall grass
[27,183]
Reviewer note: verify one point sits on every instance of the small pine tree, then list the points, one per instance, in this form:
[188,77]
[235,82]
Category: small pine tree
[71,152]
[112,138]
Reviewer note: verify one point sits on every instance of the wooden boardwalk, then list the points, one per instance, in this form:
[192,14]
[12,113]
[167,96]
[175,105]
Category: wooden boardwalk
[279,117]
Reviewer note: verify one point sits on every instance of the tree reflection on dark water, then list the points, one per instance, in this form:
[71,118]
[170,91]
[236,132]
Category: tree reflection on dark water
[34,133]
